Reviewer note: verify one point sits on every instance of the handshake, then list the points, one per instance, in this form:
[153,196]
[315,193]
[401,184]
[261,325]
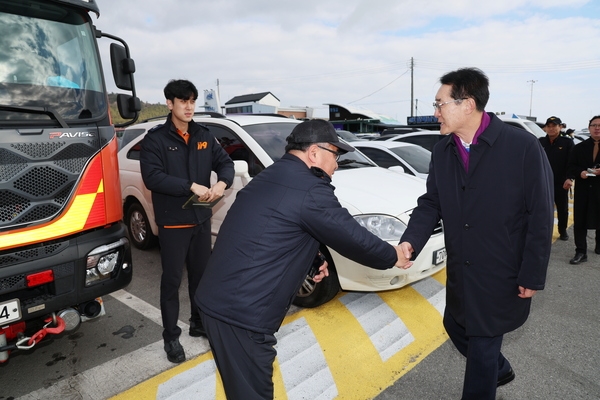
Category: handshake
[404,251]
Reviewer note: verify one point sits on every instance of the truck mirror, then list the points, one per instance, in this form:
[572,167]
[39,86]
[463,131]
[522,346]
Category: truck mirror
[128,106]
[123,67]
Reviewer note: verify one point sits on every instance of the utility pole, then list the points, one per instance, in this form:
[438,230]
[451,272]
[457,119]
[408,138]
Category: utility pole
[412,90]
[531,96]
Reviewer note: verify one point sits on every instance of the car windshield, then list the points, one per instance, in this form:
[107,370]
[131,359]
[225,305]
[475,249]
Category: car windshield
[416,156]
[271,137]
[48,58]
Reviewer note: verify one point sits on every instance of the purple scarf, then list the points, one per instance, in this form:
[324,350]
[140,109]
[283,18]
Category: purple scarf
[464,154]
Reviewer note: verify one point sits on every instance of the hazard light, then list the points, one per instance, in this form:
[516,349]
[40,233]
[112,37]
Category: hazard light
[39,278]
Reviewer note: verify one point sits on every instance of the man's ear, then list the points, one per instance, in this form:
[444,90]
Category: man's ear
[311,153]
[170,105]
[471,106]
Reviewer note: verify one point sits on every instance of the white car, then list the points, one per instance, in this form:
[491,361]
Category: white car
[425,139]
[398,156]
[530,126]
[378,199]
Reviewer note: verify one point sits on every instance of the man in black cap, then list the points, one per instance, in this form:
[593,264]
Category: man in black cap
[265,249]
[558,148]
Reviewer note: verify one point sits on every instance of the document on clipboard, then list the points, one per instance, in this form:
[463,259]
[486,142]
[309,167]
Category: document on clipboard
[194,202]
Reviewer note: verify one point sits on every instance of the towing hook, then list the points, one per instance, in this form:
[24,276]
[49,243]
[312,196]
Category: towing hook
[59,328]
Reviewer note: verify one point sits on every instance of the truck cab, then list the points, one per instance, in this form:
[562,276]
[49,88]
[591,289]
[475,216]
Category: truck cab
[62,242]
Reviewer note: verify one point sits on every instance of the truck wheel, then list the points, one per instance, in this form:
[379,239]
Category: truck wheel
[138,225]
[313,294]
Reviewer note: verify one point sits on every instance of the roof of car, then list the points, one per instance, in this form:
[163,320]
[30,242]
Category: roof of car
[386,144]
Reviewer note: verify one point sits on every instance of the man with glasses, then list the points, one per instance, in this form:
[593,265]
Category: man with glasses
[584,168]
[491,184]
[265,249]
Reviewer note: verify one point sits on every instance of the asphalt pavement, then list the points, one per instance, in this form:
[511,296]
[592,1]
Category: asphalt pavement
[555,355]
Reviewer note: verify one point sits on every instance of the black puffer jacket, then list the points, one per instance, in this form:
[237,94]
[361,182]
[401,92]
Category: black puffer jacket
[268,240]
[169,166]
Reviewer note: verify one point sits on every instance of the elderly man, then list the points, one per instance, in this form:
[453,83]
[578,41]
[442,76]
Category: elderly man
[265,249]
[491,184]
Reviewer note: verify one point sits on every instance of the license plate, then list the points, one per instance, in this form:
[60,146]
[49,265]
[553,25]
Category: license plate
[439,256]
[10,311]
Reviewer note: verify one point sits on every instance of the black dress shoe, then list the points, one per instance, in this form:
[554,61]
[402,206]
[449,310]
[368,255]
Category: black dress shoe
[196,329]
[564,237]
[174,351]
[579,258]
[597,250]
[507,377]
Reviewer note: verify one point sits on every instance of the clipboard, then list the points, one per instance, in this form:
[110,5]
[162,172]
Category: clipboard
[194,202]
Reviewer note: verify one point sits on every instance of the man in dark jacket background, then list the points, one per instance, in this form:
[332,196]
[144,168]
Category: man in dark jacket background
[558,148]
[586,202]
[176,161]
[264,251]
[491,184]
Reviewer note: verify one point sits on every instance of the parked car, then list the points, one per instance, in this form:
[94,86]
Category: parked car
[580,136]
[405,157]
[379,199]
[347,136]
[530,126]
[425,139]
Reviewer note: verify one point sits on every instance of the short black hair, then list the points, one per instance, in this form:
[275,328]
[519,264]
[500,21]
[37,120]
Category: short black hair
[593,118]
[468,83]
[181,89]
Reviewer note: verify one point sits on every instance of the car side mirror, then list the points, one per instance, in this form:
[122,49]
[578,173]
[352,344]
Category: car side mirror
[241,171]
[398,168]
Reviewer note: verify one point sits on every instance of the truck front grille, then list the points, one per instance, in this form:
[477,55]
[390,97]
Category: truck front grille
[37,178]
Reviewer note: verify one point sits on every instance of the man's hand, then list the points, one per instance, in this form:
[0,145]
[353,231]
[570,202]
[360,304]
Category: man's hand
[323,272]
[567,185]
[200,191]
[526,293]
[404,253]
[209,194]
[216,191]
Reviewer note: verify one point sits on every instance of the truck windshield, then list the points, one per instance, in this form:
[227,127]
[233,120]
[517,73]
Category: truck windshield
[48,58]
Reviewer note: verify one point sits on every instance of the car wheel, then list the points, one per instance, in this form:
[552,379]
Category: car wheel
[313,294]
[138,225]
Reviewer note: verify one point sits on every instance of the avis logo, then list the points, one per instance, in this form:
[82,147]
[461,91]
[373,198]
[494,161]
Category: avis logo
[70,135]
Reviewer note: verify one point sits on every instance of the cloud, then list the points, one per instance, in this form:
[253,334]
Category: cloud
[317,52]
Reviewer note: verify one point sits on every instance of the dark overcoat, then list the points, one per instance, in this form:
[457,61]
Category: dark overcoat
[498,222]
[586,201]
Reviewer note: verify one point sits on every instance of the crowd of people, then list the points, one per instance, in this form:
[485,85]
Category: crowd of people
[241,290]
[574,168]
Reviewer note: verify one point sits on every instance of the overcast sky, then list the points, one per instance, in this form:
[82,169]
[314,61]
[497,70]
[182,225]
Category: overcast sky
[540,55]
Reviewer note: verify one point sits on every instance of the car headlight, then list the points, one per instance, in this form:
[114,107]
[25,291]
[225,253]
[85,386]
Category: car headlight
[383,226]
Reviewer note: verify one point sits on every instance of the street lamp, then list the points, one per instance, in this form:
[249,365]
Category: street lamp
[531,96]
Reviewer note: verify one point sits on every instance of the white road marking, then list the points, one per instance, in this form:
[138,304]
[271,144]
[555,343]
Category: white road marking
[304,369]
[433,291]
[199,382]
[386,330]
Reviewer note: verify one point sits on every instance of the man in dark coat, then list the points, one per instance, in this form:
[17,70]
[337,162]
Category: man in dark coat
[176,161]
[265,249]
[491,184]
[586,201]
[558,148]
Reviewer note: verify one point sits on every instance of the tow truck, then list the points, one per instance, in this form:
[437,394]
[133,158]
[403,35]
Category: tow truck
[62,241]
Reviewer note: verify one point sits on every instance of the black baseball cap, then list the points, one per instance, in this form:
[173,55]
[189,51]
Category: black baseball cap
[553,120]
[317,131]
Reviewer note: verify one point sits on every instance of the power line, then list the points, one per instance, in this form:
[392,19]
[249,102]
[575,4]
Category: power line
[380,89]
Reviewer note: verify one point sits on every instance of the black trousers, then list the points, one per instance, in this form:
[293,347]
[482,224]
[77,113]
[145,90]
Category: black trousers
[179,248]
[244,359]
[561,200]
[485,362]
[581,239]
